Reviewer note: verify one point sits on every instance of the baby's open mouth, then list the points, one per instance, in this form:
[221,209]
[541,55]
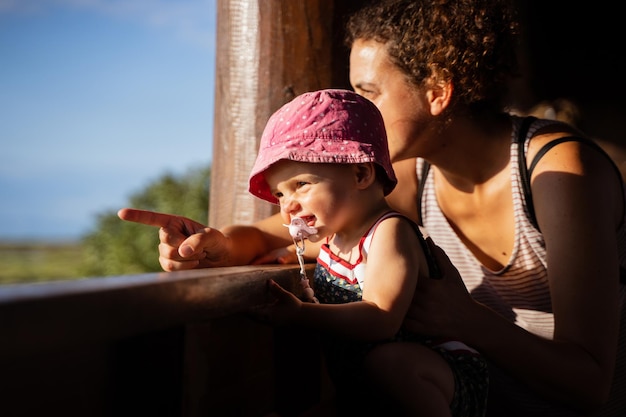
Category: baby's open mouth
[309,220]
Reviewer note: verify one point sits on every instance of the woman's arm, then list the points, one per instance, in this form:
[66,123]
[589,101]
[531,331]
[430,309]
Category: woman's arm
[578,202]
[186,244]
[578,205]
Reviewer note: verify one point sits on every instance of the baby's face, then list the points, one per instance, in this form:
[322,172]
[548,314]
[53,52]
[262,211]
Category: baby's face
[312,192]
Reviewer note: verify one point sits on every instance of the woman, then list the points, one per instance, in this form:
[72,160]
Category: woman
[537,290]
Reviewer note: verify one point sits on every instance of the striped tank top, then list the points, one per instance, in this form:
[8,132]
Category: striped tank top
[520,291]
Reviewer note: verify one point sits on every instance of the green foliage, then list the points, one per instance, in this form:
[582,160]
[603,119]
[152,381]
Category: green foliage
[117,247]
[38,262]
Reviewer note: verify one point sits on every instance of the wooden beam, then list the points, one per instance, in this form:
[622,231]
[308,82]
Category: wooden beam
[169,344]
[268,51]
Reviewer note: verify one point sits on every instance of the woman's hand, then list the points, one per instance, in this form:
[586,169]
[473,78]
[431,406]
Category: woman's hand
[440,306]
[285,255]
[184,243]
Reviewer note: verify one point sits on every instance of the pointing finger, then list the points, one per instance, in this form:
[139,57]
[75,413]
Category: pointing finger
[150,218]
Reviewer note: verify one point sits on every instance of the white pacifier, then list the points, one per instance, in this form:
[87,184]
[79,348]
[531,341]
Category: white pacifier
[298,229]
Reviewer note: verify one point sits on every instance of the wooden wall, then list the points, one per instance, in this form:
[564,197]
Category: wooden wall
[268,52]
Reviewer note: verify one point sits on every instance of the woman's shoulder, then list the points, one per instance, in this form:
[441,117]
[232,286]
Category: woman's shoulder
[544,131]
[545,135]
[563,153]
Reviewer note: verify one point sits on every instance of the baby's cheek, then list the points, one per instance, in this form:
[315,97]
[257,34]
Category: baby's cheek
[285,216]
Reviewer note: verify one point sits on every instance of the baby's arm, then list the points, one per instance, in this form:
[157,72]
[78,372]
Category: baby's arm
[393,265]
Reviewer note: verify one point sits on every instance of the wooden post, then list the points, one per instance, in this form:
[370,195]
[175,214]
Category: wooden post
[268,51]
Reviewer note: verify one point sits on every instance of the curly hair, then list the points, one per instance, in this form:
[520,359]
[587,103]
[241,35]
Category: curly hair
[472,43]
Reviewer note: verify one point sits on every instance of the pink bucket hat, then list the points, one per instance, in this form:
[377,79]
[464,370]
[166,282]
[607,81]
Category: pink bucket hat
[326,126]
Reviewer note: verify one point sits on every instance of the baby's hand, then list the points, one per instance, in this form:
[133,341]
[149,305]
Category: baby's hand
[281,311]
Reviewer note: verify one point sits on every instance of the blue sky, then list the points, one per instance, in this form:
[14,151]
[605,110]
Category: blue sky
[98,98]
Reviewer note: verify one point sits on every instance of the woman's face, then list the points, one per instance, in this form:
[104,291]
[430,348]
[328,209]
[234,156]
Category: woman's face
[403,106]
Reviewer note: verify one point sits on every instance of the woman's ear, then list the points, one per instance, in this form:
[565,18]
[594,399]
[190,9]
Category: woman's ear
[438,96]
[365,174]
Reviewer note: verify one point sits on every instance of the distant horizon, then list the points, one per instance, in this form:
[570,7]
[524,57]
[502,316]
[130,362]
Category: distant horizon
[49,241]
[99,99]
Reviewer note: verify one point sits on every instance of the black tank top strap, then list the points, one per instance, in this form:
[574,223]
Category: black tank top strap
[523,170]
[420,189]
[433,267]
[526,171]
[580,139]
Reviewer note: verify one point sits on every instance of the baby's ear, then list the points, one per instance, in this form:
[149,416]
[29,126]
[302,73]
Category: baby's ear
[365,174]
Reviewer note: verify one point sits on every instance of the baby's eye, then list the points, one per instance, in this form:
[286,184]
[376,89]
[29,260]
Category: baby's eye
[301,183]
[278,195]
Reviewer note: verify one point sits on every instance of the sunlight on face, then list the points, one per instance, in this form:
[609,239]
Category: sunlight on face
[314,192]
[401,104]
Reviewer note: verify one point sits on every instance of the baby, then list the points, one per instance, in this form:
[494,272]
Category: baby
[324,159]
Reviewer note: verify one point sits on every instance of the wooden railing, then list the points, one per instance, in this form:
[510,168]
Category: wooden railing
[165,344]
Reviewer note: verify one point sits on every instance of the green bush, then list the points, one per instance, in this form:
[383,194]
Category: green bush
[117,247]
